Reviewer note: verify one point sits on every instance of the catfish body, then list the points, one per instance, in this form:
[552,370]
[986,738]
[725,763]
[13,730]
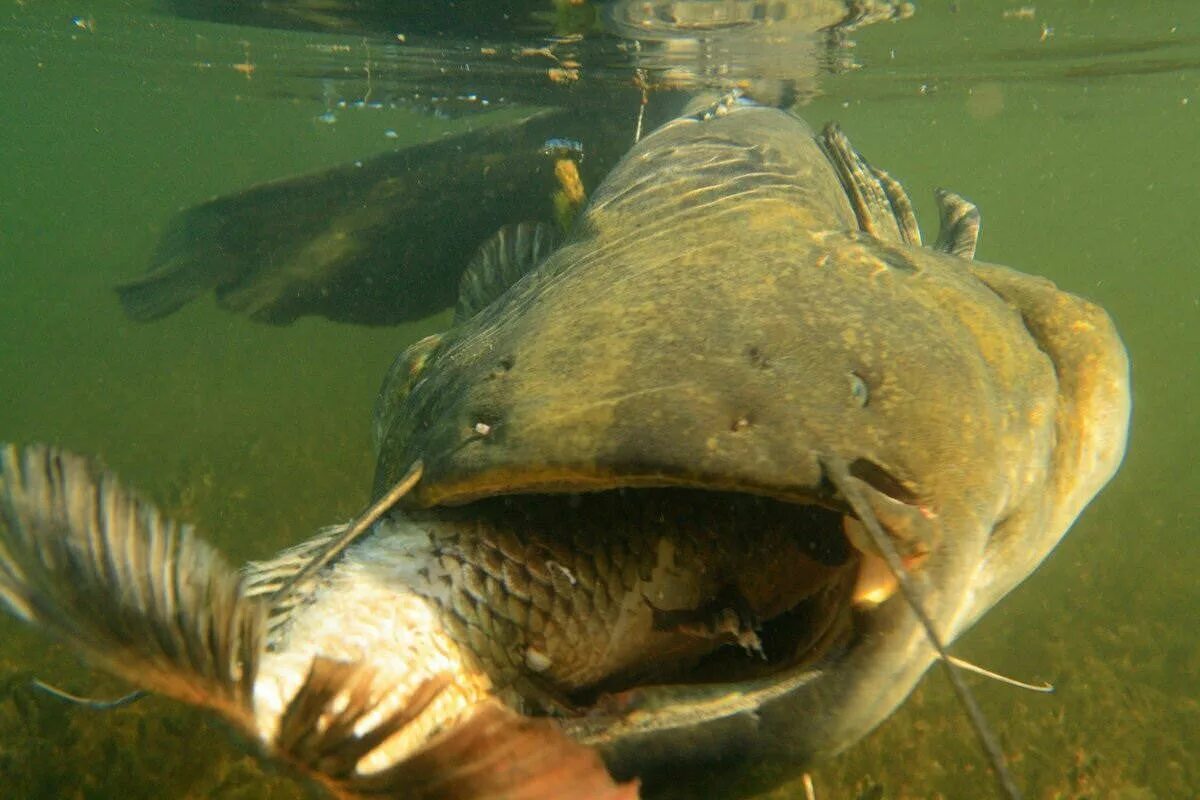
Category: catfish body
[743,314]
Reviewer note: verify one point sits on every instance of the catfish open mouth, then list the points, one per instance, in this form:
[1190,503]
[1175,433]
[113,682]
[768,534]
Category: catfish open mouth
[605,591]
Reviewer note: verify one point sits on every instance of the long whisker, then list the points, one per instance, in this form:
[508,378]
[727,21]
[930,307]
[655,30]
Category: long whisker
[360,526]
[838,472]
[1044,688]
[89,702]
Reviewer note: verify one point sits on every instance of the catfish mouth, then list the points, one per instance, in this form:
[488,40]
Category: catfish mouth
[670,586]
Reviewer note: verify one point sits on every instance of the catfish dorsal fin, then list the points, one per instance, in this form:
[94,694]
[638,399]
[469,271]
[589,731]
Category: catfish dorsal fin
[960,222]
[879,201]
[500,262]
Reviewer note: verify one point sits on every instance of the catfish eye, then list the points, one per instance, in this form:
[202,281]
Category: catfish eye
[398,384]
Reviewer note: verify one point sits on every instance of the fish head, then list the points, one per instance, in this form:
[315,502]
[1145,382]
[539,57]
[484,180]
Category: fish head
[718,321]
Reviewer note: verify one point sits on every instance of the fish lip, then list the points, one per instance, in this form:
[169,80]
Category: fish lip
[559,481]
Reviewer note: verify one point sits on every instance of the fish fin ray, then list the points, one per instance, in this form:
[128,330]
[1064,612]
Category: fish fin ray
[264,579]
[879,202]
[138,594]
[492,753]
[501,261]
[958,234]
[901,207]
[498,753]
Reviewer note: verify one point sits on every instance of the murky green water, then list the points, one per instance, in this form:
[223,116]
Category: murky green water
[1077,132]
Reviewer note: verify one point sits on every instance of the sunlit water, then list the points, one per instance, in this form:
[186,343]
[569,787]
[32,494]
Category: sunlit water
[1076,129]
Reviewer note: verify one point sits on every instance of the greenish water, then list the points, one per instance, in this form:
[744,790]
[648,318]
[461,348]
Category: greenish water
[1081,147]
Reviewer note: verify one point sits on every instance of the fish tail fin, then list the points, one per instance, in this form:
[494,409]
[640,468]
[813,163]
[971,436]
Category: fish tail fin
[163,290]
[498,753]
[143,599]
[193,256]
[136,593]
[494,752]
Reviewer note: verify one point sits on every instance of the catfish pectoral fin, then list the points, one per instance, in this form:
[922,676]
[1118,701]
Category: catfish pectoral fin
[136,593]
[879,201]
[501,261]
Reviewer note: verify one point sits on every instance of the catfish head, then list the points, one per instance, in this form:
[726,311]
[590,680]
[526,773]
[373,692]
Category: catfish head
[745,309]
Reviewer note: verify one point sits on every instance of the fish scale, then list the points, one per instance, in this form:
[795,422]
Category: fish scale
[569,602]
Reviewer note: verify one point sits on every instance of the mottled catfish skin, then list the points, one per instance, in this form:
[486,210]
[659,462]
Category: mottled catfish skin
[642,474]
[720,319]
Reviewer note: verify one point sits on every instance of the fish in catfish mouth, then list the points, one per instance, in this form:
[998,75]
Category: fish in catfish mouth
[624,506]
[745,307]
